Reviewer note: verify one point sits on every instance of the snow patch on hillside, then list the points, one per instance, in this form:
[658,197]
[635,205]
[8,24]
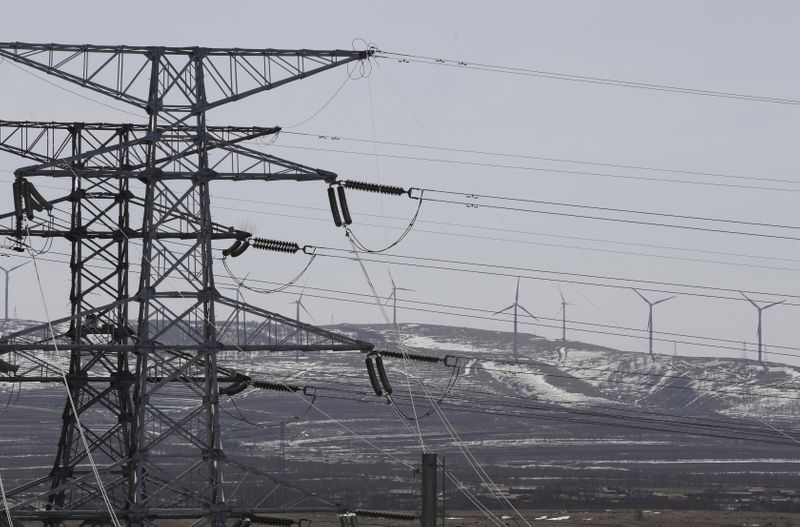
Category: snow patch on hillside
[532,383]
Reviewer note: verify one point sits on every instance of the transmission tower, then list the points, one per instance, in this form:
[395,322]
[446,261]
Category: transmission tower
[144,348]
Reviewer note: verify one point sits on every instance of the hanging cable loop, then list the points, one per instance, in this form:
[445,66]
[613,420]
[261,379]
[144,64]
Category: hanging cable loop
[309,250]
[360,247]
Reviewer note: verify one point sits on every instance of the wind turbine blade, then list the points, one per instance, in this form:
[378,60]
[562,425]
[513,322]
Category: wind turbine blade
[392,279]
[664,299]
[749,299]
[17,266]
[640,295]
[561,294]
[307,313]
[504,309]
[773,304]
[528,312]
[404,289]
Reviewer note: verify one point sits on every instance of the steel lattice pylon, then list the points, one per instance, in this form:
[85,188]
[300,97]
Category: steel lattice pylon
[147,388]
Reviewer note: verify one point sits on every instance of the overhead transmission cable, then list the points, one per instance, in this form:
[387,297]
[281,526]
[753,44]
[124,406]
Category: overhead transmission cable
[339,386]
[491,229]
[550,235]
[434,308]
[333,138]
[666,336]
[553,170]
[635,212]
[446,264]
[644,421]
[528,72]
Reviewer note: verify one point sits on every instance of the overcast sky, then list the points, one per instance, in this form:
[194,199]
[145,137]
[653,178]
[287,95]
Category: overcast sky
[742,47]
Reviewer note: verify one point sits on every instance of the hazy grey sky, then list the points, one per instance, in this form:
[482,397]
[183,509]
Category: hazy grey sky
[743,47]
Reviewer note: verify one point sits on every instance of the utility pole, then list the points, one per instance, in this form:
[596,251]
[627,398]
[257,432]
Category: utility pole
[650,317]
[429,495]
[7,273]
[516,306]
[760,309]
[444,491]
[135,348]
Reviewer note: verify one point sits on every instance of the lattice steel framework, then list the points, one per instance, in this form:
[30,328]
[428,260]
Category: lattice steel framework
[143,363]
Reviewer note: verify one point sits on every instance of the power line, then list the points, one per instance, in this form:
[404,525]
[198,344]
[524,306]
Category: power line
[336,138]
[545,244]
[505,270]
[618,220]
[584,415]
[605,209]
[482,164]
[519,241]
[645,284]
[344,387]
[485,314]
[510,70]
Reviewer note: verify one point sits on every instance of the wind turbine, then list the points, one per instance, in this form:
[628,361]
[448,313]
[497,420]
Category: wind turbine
[563,311]
[650,316]
[393,297]
[516,306]
[760,310]
[8,272]
[298,306]
[243,319]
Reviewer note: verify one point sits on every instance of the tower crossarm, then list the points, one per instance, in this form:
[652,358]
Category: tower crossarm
[56,145]
[97,150]
[123,72]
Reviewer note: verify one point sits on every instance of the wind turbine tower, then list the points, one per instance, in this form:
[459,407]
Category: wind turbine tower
[564,305]
[650,316]
[393,298]
[8,272]
[760,309]
[298,304]
[241,319]
[516,307]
